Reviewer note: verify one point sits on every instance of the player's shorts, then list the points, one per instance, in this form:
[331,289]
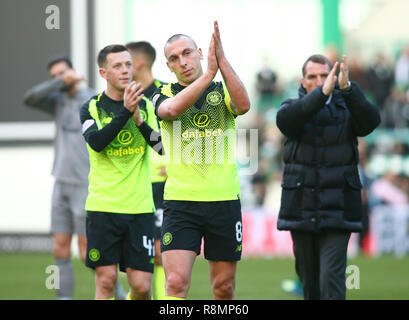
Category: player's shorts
[158,189]
[68,208]
[219,223]
[124,239]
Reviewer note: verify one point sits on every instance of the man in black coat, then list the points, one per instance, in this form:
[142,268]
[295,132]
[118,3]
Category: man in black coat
[321,190]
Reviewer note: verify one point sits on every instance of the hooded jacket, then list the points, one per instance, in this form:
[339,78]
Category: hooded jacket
[321,188]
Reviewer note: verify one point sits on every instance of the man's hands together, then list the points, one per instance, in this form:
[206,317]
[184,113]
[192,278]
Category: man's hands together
[343,77]
[71,77]
[216,52]
[132,96]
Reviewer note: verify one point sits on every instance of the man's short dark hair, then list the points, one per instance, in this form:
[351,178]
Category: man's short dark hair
[113,48]
[177,36]
[145,48]
[56,60]
[317,58]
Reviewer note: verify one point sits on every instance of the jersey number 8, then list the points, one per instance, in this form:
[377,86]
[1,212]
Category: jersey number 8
[239,231]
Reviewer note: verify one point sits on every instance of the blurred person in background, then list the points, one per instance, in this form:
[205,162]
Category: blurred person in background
[358,72]
[321,191]
[62,97]
[402,69]
[380,80]
[143,56]
[397,113]
[331,52]
[266,87]
[366,195]
[259,185]
[391,187]
[388,189]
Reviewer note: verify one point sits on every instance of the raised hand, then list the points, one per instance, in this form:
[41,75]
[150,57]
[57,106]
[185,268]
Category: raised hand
[212,65]
[329,83]
[343,77]
[218,42]
[71,77]
[132,95]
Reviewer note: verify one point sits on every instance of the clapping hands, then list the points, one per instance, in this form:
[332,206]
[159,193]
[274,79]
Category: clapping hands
[132,96]
[343,77]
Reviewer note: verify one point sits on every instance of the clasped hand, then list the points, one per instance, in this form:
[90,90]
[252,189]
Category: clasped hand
[343,77]
[216,52]
[132,96]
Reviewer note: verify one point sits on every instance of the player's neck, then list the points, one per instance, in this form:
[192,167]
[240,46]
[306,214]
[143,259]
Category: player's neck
[145,78]
[114,94]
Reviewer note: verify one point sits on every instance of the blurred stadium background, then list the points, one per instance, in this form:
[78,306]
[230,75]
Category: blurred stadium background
[266,42]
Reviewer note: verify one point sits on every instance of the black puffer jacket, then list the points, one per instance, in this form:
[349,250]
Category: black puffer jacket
[321,187]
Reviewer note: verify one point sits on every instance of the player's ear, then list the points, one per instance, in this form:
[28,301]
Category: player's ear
[139,63]
[167,63]
[200,53]
[103,73]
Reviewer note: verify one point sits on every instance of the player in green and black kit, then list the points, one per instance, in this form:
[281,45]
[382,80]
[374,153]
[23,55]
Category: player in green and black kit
[117,127]
[143,57]
[202,189]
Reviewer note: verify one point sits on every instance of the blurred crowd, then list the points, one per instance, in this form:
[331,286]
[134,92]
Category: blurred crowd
[384,154]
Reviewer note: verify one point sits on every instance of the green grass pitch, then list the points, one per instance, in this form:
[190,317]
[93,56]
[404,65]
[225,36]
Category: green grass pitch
[23,277]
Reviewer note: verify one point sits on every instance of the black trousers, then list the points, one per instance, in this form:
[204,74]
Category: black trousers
[320,263]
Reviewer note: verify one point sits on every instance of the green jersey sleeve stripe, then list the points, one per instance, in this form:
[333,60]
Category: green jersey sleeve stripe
[93,111]
[227,99]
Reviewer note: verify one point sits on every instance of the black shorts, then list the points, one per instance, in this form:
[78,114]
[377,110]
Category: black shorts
[158,189]
[124,239]
[185,223]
